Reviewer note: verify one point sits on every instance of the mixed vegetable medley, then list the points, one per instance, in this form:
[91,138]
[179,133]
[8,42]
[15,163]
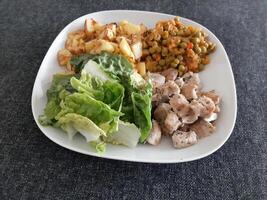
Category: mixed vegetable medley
[110,92]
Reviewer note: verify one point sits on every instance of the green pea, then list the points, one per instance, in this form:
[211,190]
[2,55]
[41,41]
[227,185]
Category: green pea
[154,44]
[152,50]
[183,45]
[181,68]
[206,45]
[162,62]
[180,58]
[197,49]
[174,65]
[198,34]
[164,42]
[165,34]
[203,49]
[158,49]
[195,40]
[176,60]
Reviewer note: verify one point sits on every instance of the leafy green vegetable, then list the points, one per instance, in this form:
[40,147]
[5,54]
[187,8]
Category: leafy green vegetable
[96,71]
[73,123]
[89,85]
[128,135]
[142,113]
[97,111]
[137,101]
[115,65]
[60,87]
[99,146]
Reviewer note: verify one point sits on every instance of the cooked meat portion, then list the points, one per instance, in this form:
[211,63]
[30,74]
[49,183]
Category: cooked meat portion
[179,104]
[171,123]
[208,106]
[155,134]
[161,112]
[157,79]
[169,88]
[189,90]
[212,117]
[182,139]
[191,85]
[191,78]
[180,82]
[190,116]
[202,128]
[170,74]
[181,110]
[212,95]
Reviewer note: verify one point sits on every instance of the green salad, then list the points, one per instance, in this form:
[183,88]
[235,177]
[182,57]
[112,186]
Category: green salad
[105,101]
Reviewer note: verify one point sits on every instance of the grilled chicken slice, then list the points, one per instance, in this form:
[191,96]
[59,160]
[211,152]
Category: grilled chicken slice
[171,123]
[212,95]
[189,90]
[190,116]
[157,79]
[155,134]
[161,112]
[191,78]
[190,86]
[170,74]
[208,106]
[169,88]
[182,139]
[202,128]
[179,104]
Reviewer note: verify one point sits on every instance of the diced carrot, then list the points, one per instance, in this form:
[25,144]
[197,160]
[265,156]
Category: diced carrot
[190,45]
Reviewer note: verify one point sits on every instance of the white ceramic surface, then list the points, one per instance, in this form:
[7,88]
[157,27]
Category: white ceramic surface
[218,75]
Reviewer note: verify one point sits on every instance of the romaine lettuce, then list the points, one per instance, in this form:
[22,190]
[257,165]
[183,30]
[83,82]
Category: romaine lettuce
[97,111]
[136,105]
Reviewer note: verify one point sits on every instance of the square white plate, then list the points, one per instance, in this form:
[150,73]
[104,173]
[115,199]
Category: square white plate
[218,75]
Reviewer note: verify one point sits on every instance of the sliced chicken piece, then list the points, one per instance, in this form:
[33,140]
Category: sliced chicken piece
[190,116]
[212,117]
[179,104]
[191,78]
[157,99]
[155,134]
[161,112]
[202,128]
[196,106]
[217,109]
[169,88]
[212,95]
[182,139]
[189,90]
[157,79]
[208,106]
[171,123]
[180,82]
[170,74]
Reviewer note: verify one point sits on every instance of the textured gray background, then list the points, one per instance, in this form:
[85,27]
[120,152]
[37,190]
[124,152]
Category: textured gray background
[33,167]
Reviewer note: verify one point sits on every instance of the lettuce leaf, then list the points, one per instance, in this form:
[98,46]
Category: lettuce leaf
[73,123]
[60,88]
[128,135]
[136,105]
[97,111]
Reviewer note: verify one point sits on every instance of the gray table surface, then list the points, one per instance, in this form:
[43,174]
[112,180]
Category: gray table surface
[33,167]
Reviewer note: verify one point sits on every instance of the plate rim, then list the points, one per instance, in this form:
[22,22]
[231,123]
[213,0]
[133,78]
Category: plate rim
[140,160]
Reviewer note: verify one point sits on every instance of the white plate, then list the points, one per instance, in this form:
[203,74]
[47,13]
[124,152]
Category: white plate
[218,75]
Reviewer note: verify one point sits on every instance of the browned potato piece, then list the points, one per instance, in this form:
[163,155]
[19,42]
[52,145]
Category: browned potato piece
[64,57]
